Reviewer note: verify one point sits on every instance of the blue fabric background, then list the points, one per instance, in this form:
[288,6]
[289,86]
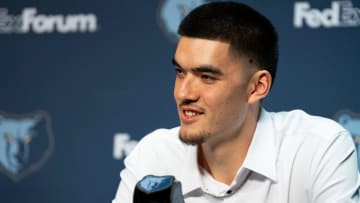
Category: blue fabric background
[120,79]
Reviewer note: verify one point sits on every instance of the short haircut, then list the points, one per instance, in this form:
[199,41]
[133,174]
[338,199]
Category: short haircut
[247,31]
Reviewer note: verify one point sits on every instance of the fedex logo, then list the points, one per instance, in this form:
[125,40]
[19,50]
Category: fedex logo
[341,14]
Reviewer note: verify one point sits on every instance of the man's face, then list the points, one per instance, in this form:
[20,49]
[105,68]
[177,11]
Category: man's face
[211,90]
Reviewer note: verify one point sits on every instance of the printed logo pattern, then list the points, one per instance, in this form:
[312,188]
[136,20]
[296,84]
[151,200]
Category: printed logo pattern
[26,142]
[30,21]
[171,12]
[123,145]
[341,14]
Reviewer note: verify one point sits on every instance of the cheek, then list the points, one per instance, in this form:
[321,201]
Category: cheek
[225,98]
[231,108]
[175,90]
[227,106]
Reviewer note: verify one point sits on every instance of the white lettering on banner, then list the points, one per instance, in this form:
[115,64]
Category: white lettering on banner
[341,14]
[123,145]
[29,21]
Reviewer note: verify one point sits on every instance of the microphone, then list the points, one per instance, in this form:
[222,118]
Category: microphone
[158,189]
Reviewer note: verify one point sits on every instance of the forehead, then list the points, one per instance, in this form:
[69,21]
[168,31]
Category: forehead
[185,42]
[196,50]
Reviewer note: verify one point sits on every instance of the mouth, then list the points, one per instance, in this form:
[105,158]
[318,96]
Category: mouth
[190,115]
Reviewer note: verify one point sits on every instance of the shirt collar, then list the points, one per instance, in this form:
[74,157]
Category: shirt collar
[191,177]
[262,156]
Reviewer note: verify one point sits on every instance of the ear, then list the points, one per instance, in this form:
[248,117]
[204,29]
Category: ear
[259,86]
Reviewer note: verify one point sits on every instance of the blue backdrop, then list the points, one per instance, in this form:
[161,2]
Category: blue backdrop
[81,81]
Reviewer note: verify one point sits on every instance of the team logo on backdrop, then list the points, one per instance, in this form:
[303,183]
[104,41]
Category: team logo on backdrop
[340,14]
[171,12]
[123,145]
[351,121]
[26,142]
[30,20]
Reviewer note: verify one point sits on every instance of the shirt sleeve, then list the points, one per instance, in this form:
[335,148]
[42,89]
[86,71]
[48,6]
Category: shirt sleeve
[144,160]
[125,190]
[336,179]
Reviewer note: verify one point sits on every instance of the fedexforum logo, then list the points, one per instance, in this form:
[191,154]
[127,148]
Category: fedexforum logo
[123,145]
[26,142]
[341,14]
[30,21]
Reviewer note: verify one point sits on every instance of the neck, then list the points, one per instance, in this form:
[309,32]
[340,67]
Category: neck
[222,159]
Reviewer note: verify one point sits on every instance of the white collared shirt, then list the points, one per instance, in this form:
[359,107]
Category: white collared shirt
[293,158]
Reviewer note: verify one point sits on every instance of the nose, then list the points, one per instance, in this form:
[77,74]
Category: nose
[186,89]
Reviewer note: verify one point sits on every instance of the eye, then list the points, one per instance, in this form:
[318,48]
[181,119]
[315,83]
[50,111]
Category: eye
[179,72]
[27,139]
[208,78]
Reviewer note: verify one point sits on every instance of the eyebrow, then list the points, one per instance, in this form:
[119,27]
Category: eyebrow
[201,69]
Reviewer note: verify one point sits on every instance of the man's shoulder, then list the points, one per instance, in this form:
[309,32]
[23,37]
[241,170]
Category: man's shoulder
[162,136]
[297,122]
[158,153]
[160,143]
[312,141]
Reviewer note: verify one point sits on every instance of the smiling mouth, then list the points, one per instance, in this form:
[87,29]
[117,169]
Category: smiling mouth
[190,113]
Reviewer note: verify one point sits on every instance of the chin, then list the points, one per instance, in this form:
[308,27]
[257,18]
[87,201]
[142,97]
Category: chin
[193,138]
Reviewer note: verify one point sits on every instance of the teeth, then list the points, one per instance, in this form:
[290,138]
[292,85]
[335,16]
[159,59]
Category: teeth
[190,113]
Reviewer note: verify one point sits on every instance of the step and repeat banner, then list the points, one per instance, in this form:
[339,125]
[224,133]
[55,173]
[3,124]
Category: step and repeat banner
[81,82]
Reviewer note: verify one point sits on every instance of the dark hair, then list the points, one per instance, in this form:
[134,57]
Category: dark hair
[247,31]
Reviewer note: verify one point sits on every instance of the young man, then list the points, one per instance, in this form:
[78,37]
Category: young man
[228,148]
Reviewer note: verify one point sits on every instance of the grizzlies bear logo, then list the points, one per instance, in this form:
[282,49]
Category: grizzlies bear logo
[351,122]
[171,12]
[26,142]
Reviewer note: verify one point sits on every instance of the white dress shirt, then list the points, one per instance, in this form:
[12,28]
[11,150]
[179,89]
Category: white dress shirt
[293,158]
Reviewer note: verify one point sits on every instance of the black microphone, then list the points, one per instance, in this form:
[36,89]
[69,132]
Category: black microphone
[158,189]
